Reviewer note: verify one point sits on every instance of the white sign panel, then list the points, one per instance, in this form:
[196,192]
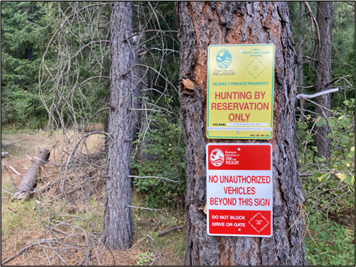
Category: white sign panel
[239,189]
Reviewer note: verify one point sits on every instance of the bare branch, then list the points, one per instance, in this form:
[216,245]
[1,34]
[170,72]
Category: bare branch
[15,171]
[158,31]
[155,177]
[342,63]
[317,94]
[314,21]
[140,207]
[170,230]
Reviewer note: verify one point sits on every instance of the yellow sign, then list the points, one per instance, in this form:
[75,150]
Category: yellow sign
[240,91]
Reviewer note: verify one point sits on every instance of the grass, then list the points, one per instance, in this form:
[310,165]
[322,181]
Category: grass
[20,143]
[145,229]
[13,214]
[329,243]
[19,231]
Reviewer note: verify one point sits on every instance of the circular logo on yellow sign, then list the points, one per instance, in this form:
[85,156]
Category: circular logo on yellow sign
[224,58]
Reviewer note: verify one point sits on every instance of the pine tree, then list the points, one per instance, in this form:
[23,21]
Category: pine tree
[206,23]
[22,43]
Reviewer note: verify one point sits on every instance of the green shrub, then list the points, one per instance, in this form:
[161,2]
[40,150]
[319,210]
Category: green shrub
[166,148]
[329,243]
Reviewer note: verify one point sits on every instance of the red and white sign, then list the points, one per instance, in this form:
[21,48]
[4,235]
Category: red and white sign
[239,189]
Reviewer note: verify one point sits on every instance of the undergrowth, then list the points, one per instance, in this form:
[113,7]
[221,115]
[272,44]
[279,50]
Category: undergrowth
[329,243]
[147,225]
[329,189]
[14,212]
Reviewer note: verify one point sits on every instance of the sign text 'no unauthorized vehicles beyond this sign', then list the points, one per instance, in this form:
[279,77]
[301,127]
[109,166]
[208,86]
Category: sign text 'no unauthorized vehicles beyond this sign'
[239,189]
[240,91]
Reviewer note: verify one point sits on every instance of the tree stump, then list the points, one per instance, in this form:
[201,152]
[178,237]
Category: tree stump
[28,182]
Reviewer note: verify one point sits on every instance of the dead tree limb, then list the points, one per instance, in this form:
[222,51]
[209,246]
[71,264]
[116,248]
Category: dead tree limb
[317,94]
[170,230]
[28,182]
[20,252]
[12,180]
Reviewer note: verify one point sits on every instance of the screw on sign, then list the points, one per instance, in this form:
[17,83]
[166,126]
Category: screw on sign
[239,189]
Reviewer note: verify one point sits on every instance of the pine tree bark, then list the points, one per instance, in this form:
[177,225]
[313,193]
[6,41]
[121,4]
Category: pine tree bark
[206,23]
[324,18]
[117,224]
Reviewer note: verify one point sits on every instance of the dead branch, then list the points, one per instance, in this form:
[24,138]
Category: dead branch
[339,79]
[6,191]
[100,110]
[317,94]
[12,168]
[158,31]
[22,251]
[140,207]
[157,225]
[314,21]
[156,71]
[14,211]
[12,180]
[170,230]
[155,177]
[342,63]
[73,151]
[43,188]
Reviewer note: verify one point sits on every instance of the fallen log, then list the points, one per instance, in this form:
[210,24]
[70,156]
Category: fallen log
[28,182]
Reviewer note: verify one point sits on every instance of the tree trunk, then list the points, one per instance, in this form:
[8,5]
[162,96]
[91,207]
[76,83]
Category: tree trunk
[106,129]
[206,23]
[300,61]
[324,17]
[28,182]
[117,225]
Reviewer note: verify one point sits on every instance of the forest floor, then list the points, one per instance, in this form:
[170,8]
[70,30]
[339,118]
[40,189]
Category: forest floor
[21,224]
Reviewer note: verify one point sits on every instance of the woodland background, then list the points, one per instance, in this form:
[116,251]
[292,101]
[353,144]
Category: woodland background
[39,109]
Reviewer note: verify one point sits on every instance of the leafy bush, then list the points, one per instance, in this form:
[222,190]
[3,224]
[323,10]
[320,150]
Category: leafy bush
[328,187]
[165,152]
[329,243]
[338,174]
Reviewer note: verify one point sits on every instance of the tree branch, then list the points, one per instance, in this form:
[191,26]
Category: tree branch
[314,21]
[153,177]
[138,33]
[140,207]
[170,230]
[317,94]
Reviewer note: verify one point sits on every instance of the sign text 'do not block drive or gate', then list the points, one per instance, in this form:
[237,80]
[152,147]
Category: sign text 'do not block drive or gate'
[240,91]
[239,189]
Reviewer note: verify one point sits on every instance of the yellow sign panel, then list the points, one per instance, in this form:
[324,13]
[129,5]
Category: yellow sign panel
[240,91]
